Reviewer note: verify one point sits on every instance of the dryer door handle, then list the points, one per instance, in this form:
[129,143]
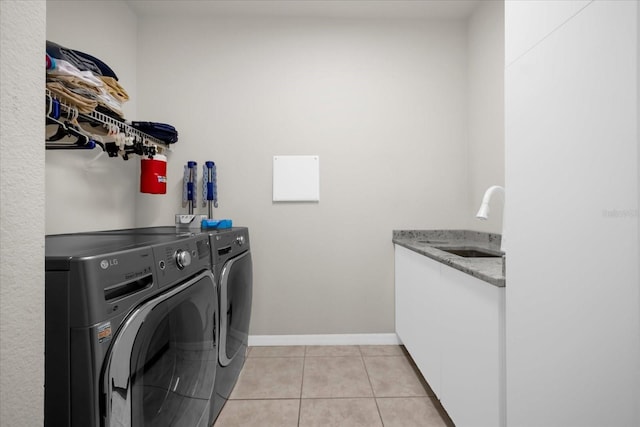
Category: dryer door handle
[117,381]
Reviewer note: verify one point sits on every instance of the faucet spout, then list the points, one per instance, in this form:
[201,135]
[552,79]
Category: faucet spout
[483,212]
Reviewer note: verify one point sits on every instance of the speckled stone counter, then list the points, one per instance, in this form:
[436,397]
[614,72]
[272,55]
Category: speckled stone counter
[424,242]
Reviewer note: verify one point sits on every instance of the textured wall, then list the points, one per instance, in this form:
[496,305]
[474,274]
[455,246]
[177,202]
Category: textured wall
[22,37]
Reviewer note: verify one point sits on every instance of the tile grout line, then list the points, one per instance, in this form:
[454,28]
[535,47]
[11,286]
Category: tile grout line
[308,352]
[371,385]
[346,397]
[430,393]
[304,361]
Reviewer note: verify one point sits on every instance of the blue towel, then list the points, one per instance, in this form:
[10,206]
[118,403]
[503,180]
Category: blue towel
[217,224]
[164,132]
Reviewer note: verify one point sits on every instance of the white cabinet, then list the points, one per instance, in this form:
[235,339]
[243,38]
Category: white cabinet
[528,22]
[572,174]
[452,324]
[418,312]
[472,367]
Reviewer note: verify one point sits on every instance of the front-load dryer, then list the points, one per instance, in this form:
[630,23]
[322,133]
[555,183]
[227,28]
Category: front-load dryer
[130,330]
[233,272]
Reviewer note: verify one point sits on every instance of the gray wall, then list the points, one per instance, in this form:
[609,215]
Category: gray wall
[485,43]
[391,106]
[86,190]
[329,238]
[382,102]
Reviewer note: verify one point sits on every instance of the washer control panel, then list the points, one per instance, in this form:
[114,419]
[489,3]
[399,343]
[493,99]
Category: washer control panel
[179,259]
[183,258]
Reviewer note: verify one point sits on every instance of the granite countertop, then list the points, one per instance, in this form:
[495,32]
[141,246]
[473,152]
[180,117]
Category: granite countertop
[424,242]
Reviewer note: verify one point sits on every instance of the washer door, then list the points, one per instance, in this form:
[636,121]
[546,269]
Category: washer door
[236,291]
[160,370]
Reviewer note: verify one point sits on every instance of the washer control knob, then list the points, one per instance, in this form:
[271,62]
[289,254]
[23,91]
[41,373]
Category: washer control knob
[183,258]
[240,240]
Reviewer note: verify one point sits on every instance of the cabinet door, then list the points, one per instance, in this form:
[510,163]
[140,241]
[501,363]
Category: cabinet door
[573,337]
[418,312]
[472,350]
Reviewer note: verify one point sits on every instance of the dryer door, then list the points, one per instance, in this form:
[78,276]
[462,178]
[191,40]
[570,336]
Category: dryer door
[236,291]
[161,367]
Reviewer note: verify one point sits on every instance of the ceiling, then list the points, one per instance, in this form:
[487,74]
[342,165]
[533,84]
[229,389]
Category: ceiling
[422,9]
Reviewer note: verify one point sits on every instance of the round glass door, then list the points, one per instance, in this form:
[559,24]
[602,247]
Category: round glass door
[171,360]
[236,290]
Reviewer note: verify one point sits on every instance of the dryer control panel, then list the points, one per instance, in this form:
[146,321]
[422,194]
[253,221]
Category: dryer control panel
[229,243]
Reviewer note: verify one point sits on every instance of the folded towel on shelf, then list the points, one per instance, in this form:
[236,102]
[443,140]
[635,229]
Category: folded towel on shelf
[114,88]
[90,86]
[87,84]
[65,68]
[82,101]
[80,88]
[106,100]
[84,81]
[74,82]
[164,132]
[81,60]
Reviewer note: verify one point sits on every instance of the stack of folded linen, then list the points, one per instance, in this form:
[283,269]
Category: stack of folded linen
[84,81]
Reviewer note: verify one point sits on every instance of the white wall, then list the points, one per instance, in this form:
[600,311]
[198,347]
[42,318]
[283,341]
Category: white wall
[82,192]
[573,326]
[382,102]
[22,163]
[485,44]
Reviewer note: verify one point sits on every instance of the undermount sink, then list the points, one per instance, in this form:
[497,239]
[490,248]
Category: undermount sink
[471,252]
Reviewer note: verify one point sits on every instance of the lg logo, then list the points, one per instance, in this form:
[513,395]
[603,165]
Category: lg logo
[106,263]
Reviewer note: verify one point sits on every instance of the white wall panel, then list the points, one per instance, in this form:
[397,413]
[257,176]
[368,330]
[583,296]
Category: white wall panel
[529,21]
[572,197]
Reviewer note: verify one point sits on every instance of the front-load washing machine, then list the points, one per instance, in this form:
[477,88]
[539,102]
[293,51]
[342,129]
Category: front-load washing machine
[232,268]
[130,330]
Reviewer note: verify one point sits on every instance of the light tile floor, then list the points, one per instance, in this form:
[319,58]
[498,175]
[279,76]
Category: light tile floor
[326,386]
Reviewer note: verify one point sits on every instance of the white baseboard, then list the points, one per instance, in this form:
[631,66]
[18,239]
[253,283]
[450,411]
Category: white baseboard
[333,339]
